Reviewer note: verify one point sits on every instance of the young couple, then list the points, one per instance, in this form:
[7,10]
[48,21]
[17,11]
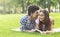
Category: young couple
[36,19]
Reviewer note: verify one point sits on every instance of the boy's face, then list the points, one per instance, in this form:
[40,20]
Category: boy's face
[35,14]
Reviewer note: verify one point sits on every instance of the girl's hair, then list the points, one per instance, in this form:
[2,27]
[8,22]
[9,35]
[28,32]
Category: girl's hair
[46,21]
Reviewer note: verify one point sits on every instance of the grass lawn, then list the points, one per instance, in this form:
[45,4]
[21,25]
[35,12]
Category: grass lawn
[9,21]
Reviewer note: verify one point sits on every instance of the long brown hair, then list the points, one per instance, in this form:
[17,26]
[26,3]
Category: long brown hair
[46,21]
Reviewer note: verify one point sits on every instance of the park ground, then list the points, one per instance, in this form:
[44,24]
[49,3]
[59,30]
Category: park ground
[9,21]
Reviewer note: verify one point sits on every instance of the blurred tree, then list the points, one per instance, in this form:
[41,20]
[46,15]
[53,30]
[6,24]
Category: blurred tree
[11,6]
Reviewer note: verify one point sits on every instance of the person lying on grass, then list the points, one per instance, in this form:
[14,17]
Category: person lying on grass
[28,21]
[44,23]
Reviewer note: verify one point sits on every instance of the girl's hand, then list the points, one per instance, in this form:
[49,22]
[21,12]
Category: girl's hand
[48,32]
[43,32]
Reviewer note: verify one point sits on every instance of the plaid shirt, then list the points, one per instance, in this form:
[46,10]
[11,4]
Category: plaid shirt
[26,24]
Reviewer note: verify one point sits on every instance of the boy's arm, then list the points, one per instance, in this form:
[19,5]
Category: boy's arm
[23,26]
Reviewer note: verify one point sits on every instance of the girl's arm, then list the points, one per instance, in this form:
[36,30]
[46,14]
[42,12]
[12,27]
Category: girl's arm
[37,26]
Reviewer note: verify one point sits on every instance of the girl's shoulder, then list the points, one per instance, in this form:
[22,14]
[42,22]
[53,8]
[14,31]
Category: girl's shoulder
[51,20]
[37,21]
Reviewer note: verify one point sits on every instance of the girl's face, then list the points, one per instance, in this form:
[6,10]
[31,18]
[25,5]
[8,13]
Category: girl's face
[41,16]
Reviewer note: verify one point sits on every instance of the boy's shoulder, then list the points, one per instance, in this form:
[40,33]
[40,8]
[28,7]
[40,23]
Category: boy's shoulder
[24,17]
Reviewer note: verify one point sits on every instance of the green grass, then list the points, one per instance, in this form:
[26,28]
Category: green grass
[9,21]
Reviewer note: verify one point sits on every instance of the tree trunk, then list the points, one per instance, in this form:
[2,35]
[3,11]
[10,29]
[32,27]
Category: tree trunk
[44,3]
[4,10]
[59,5]
[15,9]
[22,5]
[49,4]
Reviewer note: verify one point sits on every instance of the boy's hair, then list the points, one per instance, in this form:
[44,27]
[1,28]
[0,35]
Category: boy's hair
[32,9]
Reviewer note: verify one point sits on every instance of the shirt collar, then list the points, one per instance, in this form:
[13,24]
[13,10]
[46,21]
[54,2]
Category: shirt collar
[29,18]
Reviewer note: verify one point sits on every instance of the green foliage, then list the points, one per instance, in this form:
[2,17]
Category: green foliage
[13,5]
